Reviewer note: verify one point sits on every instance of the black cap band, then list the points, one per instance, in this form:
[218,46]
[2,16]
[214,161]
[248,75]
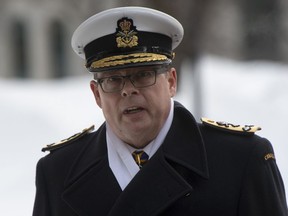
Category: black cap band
[147,42]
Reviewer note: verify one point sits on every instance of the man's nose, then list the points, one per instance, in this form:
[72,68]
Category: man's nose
[128,89]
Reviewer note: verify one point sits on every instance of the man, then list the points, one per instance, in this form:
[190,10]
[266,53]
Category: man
[150,157]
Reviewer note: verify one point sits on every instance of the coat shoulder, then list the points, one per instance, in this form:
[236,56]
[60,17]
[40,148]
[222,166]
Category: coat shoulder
[69,140]
[230,127]
[223,135]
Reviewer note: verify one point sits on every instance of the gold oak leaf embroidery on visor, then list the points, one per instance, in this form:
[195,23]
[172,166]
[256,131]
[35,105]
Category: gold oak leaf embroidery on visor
[127,59]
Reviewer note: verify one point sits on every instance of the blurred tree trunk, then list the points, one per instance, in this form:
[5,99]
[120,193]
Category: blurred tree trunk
[261,29]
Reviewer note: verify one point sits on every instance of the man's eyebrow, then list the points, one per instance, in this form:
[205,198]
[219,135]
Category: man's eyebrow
[108,75]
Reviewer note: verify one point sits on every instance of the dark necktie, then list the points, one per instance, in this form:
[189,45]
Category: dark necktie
[140,158]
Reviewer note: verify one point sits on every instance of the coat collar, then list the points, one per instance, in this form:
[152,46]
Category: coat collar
[184,144]
[183,147]
[85,187]
[94,151]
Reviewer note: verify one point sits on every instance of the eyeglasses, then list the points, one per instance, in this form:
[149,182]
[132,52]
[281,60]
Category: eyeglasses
[141,79]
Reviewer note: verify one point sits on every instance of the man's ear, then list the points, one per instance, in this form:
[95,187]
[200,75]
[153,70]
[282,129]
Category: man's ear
[94,86]
[172,79]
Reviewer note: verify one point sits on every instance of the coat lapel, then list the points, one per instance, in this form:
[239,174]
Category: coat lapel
[86,191]
[154,188]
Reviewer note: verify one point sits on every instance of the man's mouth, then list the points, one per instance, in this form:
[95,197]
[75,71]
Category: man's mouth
[132,110]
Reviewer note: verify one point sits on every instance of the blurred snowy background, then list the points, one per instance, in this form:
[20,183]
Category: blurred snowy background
[232,65]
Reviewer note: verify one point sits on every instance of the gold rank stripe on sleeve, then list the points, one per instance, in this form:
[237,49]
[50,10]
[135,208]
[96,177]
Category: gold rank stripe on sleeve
[68,140]
[243,129]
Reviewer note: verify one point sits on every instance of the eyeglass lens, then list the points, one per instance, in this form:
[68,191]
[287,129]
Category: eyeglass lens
[141,79]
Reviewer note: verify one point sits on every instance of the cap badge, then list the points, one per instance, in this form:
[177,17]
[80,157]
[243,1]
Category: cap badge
[126,33]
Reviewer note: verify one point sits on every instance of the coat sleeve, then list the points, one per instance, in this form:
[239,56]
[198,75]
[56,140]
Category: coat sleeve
[263,190]
[41,204]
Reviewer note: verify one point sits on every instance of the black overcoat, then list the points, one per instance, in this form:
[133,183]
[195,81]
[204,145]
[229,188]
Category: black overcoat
[198,171]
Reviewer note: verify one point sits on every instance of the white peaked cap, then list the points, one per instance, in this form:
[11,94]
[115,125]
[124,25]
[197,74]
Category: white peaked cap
[125,37]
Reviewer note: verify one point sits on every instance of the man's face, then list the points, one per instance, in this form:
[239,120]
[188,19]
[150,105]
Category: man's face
[136,115]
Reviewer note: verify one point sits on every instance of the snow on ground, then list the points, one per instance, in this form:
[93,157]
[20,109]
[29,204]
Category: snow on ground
[36,113]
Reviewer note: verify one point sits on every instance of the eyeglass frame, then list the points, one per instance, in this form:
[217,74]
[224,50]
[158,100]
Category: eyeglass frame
[157,70]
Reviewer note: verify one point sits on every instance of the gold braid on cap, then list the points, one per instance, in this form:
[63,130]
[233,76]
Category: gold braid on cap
[127,59]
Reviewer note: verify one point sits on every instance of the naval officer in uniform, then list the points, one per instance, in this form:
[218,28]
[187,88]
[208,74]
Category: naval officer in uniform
[150,157]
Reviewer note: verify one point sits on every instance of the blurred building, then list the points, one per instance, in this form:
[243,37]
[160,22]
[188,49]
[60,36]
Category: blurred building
[35,37]
[35,34]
